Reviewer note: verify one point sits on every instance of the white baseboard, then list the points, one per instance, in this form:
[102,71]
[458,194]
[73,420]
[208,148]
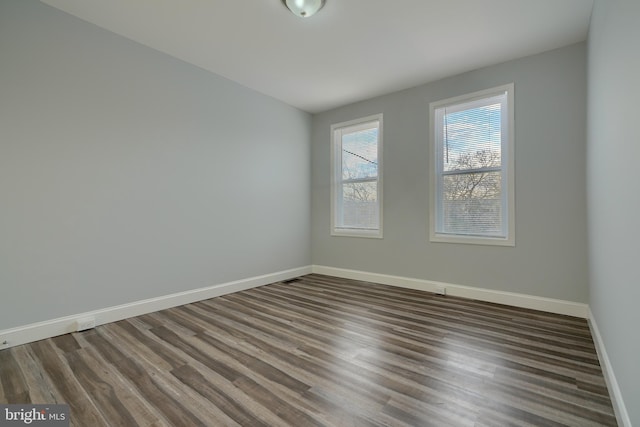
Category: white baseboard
[622,416]
[64,325]
[550,305]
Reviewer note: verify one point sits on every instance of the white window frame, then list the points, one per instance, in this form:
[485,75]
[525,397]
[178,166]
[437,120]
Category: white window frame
[507,168]
[337,181]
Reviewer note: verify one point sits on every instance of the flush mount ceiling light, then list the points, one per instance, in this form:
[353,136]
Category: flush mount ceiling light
[304,8]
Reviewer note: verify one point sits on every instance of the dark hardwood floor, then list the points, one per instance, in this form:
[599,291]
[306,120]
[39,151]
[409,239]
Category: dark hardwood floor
[320,351]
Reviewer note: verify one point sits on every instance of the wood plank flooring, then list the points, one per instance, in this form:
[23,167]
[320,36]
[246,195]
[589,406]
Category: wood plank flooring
[320,351]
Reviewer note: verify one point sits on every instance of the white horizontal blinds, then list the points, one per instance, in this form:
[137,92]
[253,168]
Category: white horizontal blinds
[470,167]
[359,180]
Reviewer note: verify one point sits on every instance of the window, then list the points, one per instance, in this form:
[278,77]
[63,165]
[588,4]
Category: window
[472,185]
[356,178]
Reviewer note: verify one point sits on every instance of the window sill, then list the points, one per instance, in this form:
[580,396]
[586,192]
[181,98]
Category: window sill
[471,240]
[345,232]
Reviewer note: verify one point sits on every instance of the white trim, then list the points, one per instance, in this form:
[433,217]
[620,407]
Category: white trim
[550,305]
[336,176]
[507,168]
[468,239]
[622,416]
[67,324]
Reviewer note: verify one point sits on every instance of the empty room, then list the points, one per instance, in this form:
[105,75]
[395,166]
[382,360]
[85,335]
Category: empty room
[319,213]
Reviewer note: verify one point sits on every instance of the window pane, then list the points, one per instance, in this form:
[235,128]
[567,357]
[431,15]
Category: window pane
[356,181]
[472,175]
[359,205]
[472,204]
[472,138]
[360,154]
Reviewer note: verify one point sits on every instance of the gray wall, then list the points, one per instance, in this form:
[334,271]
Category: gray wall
[126,174]
[550,257]
[614,197]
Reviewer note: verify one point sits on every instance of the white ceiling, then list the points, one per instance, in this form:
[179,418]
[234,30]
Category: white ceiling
[351,50]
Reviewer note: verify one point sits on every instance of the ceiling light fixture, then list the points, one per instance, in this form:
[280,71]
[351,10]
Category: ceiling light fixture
[304,8]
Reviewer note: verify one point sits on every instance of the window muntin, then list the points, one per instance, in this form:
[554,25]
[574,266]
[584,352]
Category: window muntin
[472,178]
[357,178]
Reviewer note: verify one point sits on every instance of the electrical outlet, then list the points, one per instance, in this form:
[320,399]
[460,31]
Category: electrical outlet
[85,323]
[440,290]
